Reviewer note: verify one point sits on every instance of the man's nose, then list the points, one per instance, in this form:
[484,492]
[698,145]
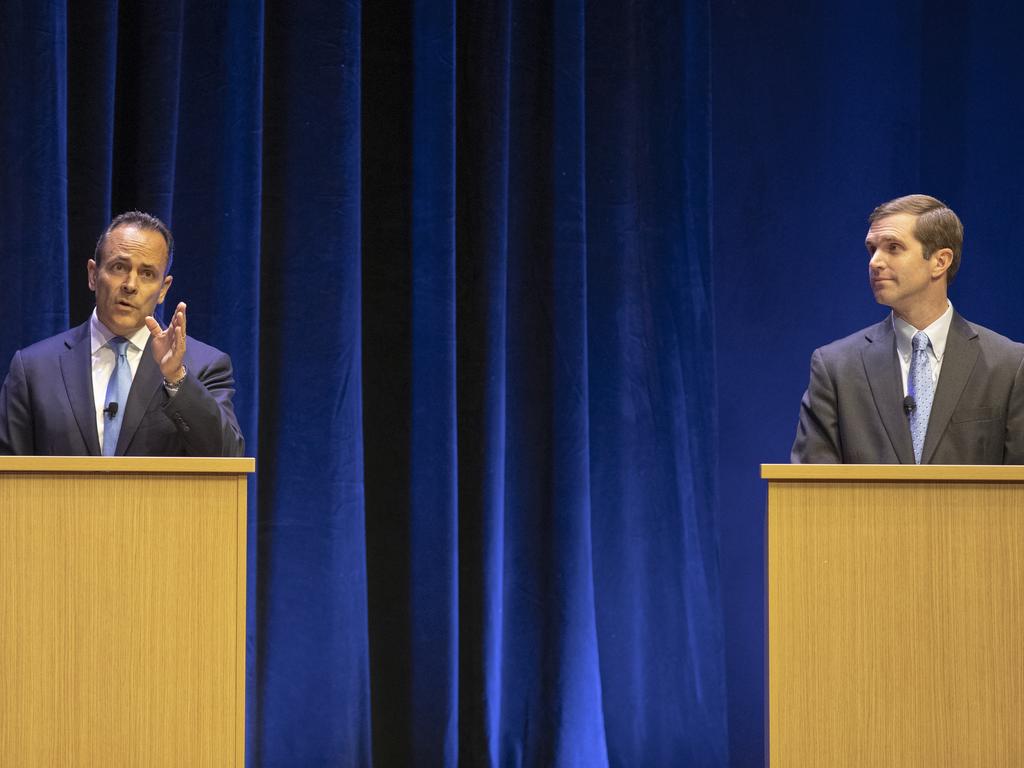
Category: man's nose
[876,261]
[129,283]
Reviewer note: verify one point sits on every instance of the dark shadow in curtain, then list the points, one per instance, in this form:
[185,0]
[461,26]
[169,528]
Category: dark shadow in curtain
[387,368]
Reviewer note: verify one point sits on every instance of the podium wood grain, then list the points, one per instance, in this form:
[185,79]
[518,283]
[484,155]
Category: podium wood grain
[122,615]
[896,613]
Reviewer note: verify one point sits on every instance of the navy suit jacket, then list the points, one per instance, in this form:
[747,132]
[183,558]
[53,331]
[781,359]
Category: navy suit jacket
[47,406]
[852,411]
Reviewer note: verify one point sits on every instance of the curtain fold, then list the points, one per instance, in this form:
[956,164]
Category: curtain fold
[551,701]
[312,674]
[459,253]
[33,174]
[483,76]
[92,53]
[653,412]
[434,464]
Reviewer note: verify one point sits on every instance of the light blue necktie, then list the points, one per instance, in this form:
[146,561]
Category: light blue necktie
[921,387]
[117,392]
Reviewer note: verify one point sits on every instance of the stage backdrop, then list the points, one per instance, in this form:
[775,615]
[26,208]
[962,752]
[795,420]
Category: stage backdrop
[822,112]
[460,254]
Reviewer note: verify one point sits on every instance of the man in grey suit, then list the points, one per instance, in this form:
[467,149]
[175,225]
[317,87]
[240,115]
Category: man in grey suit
[924,385]
[173,393]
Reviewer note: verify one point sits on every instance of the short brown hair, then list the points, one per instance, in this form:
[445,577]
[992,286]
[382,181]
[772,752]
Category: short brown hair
[142,221]
[936,226]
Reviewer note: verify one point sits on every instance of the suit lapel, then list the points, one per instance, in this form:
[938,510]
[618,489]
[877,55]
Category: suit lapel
[882,367]
[957,363]
[144,386]
[76,369]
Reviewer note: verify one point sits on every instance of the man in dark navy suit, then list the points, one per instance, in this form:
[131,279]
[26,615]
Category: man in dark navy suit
[54,400]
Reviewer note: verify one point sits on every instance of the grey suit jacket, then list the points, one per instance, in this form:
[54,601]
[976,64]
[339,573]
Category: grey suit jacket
[47,406]
[852,412]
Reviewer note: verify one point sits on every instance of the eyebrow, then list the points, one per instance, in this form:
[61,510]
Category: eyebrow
[142,265]
[884,239]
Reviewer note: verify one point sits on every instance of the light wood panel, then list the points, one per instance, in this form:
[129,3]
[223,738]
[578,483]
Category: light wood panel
[122,618]
[895,623]
[876,472]
[111,464]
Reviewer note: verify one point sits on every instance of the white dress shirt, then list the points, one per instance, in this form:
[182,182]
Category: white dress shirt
[937,334]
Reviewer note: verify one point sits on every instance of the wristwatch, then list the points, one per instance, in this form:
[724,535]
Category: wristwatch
[172,386]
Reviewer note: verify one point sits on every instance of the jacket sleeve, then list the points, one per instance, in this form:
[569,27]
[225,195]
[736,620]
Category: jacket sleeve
[202,412]
[16,412]
[817,434]
[1013,448]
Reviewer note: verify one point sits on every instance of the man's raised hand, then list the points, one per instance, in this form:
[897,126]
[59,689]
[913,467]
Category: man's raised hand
[168,344]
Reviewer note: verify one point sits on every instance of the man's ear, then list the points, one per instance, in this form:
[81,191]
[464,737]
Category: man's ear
[166,287]
[941,261]
[91,268]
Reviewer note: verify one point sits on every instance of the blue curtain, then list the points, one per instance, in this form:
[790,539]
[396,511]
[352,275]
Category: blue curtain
[460,254]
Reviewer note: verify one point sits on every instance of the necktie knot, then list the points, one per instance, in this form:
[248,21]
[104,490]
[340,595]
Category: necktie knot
[119,344]
[920,341]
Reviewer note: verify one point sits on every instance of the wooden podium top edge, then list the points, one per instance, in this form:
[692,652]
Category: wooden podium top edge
[930,472]
[166,465]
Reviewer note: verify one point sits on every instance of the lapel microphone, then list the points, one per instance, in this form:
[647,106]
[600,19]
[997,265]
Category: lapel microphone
[111,410]
[909,406]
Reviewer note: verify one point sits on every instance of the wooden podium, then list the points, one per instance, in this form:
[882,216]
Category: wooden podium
[122,611]
[895,615]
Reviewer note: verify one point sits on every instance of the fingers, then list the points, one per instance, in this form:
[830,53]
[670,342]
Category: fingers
[178,320]
[179,325]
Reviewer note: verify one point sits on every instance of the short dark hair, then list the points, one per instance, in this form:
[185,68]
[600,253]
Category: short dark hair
[936,226]
[142,221]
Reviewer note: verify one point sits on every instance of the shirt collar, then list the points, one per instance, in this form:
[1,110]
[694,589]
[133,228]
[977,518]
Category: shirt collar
[100,335]
[937,334]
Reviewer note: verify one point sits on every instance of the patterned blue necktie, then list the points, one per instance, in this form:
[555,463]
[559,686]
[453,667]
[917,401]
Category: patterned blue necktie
[921,387]
[117,392]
